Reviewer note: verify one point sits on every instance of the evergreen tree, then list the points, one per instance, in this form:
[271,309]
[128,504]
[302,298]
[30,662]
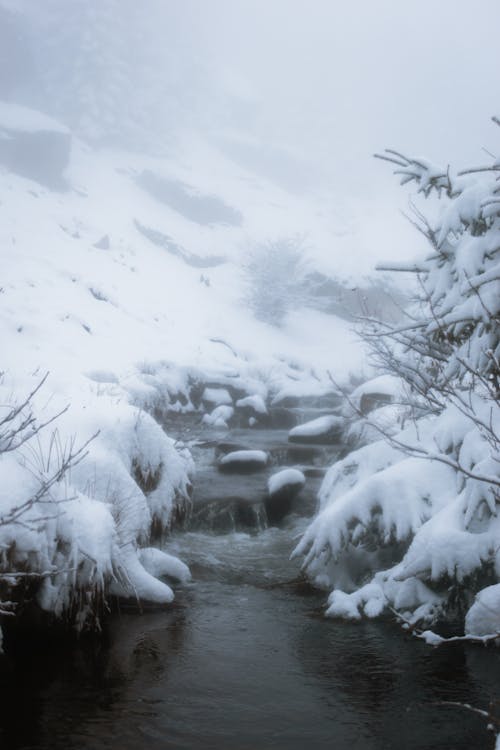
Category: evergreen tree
[411,521]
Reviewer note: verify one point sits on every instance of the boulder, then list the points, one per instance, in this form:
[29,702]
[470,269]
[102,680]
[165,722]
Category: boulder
[216,397]
[252,410]
[323,430]
[33,145]
[243,461]
[103,243]
[282,489]
[377,392]
[198,207]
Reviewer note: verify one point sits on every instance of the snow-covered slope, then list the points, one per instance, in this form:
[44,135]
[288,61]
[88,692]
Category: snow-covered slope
[126,289]
[74,306]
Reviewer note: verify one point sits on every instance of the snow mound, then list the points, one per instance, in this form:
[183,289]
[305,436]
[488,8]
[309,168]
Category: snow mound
[159,563]
[483,618]
[77,530]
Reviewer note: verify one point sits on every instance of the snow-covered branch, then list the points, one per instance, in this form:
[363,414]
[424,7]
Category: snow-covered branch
[410,521]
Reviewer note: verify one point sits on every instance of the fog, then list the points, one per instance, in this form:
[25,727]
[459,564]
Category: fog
[302,92]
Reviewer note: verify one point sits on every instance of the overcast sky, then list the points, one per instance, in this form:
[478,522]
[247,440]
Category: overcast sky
[329,81]
[337,81]
[343,79]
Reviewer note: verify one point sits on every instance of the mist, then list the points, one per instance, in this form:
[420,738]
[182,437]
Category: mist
[303,93]
[250,374]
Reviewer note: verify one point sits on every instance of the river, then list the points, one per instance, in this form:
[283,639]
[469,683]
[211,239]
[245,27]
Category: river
[244,660]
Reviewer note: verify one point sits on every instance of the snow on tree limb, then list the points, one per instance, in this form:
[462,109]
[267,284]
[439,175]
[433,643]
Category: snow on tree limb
[384,538]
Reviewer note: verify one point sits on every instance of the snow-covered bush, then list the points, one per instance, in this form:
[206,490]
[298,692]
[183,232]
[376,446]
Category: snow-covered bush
[74,516]
[410,522]
[274,275]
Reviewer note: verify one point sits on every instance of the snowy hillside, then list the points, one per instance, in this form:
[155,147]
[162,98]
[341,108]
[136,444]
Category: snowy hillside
[124,284]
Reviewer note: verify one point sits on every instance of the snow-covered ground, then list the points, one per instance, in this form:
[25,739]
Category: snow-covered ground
[117,296]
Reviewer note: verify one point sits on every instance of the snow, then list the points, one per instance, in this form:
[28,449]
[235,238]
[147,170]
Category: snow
[159,563]
[483,618]
[387,385]
[15,117]
[244,456]
[407,521]
[393,528]
[255,402]
[285,478]
[219,417]
[317,427]
[217,396]
[135,582]
[386,420]
[128,333]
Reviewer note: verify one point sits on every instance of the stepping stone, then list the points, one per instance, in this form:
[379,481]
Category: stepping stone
[243,462]
[323,430]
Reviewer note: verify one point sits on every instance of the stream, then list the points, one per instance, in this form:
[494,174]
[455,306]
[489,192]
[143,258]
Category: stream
[245,659]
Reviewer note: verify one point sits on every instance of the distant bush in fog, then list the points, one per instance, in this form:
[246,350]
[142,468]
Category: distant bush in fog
[275,273]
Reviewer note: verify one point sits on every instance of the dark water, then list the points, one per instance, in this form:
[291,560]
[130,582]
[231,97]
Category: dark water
[245,660]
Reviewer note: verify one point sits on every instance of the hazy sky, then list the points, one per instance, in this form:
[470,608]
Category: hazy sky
[330,81]
[342,79]
[337,81]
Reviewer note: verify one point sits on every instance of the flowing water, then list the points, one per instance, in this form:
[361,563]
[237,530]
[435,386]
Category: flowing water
[244,659]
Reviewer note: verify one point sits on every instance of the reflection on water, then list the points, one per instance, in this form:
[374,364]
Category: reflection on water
[245,661]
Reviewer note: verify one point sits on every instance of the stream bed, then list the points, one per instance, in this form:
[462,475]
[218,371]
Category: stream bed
[245,659]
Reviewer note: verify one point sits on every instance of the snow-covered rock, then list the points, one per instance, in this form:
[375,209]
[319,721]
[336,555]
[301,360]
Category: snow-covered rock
[33,145]
[283,479]
[377,392]
[216,397]
[254,403]
[282,488]
[243,461]
[219,417]
[327,429]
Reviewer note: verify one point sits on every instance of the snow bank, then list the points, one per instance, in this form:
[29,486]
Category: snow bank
[393,530]
[483,618]
[159,563]
[77,530]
